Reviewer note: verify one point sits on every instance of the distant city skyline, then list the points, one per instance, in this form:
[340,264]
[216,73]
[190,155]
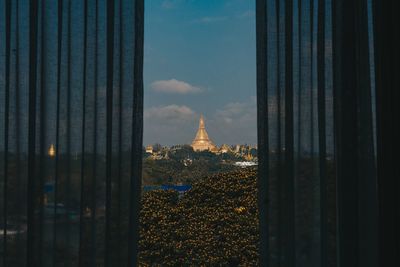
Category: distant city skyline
[199,58]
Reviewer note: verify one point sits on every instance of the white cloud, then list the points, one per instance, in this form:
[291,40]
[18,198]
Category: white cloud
[235,122]
[235,112]
[166,114]
[174,86]
[172,124]
[207,20]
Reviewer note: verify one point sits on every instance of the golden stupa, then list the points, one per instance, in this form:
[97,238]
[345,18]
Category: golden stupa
[202,142]
[52,151]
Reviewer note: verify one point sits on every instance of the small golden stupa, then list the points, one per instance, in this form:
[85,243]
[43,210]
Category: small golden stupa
[202,142]
[52,151]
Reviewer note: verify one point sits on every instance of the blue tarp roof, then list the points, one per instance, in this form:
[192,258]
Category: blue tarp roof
[179,188]
[176,187]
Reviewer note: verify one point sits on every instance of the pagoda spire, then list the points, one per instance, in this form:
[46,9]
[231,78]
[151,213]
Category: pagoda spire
[202,141]
[201,122]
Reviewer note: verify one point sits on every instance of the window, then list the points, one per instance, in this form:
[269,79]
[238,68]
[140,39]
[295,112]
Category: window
[200,143]
[71,124]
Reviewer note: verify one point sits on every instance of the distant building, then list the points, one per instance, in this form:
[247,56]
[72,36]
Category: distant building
[245,164]
[224,149]
[248,156]
[149,149]
[237,148]
[176,147]
[202,142]
[166,155]
[157,147]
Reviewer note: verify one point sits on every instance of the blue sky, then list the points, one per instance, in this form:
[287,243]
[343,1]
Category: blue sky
[200,57]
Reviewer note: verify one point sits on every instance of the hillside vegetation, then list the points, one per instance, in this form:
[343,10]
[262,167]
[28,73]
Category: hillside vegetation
[215,223]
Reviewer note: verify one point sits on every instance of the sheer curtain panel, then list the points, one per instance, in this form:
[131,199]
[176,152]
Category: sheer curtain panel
[71,104]
[387,66]
[316,127]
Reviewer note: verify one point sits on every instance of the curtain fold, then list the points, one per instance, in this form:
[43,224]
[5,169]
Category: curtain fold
[318,199]
[356,170]
[71,119]
[262,129]
[387,69]
[71,105]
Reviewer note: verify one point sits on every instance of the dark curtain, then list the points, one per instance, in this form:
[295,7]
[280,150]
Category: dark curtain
[317,133]
[71,104]
[355,155]
[71,101]
[387,66]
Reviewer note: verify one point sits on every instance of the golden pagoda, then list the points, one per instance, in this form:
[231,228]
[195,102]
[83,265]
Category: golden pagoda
[149,149]
[202,142]
[52,151]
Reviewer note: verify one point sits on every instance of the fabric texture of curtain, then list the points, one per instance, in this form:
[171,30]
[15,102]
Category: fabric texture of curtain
[71,105]
[387,66]
[295,122]
[71,116]
[318,193]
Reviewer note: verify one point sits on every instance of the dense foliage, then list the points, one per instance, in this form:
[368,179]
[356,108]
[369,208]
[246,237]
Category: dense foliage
[215,223]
